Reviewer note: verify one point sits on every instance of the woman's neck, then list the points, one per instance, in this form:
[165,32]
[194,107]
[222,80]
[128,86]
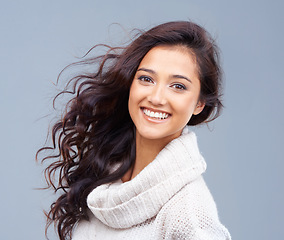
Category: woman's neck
[146,152]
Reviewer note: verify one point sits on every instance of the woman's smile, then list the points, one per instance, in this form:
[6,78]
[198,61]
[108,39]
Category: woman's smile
[155,114]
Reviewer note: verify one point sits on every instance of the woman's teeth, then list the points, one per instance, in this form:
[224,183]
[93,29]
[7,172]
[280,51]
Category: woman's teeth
[157,115]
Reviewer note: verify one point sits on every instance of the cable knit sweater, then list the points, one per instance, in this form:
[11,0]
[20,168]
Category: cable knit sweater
[168,199]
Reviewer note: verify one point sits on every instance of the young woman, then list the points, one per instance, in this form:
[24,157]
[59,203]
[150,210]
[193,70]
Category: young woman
[127,162]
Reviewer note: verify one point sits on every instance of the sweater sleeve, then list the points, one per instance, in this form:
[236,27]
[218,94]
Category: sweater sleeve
[191,215]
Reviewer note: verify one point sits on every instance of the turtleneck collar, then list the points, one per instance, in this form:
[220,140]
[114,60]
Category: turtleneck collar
[123,205]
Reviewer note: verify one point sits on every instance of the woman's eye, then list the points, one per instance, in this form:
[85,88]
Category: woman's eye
[145,79]
[179,86]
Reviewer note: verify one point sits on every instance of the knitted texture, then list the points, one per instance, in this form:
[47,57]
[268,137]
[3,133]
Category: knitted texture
[168,199]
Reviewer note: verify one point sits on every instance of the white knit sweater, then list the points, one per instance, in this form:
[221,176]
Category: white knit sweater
[168,199]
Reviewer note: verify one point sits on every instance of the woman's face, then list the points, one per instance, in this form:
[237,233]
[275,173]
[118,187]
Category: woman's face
[164,93]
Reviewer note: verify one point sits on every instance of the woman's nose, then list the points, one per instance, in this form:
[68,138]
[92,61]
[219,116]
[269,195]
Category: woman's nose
[157,96]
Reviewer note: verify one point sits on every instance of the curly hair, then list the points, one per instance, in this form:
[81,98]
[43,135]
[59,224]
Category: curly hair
[96,132]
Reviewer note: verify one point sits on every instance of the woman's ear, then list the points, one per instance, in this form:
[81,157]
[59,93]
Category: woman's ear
[199,107]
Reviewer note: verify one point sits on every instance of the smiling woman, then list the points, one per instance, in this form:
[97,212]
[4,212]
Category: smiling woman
[163,96]
[166,83]
[129,166]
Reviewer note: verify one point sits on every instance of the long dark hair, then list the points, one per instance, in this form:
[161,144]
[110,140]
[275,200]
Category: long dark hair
[96,132]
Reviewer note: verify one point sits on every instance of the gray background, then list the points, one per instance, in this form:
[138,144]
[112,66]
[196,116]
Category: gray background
[243,148]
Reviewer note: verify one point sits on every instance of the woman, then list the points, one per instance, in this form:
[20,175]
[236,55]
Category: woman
[128,164]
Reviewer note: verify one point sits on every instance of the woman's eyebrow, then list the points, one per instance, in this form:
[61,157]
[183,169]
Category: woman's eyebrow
[183,77]
[173,76]
[147,70]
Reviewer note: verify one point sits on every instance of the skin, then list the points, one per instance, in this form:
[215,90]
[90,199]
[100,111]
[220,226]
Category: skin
[167,83]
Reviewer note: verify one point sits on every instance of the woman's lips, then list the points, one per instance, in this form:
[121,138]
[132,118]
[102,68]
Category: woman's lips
[155,114]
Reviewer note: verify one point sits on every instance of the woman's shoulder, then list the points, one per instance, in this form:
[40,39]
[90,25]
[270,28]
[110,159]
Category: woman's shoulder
[191,214]
[192,199]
